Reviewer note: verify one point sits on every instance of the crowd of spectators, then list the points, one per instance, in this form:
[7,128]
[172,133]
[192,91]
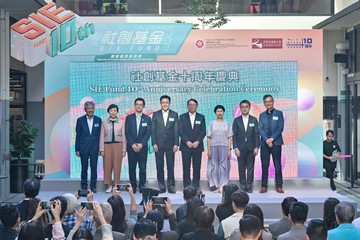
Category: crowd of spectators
[63,218]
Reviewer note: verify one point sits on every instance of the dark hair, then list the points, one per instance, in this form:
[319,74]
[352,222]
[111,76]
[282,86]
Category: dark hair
[266,96]
[191,99]
[156,217]
[118,220]
[330,131]
[204,217]
[329,213]
[9,215]
[31,207]
[298,212]
[31,187]
[245,101]
[165,97]
[139,99]
[32,230]
[317,230]
[255,210]
[286,203]
[240,199]
[250,226]
[191,207]
[111,106]
[189,192]
[219,107]
[144,228]
[63,202]
[345,212]
[82,233]
[227,191]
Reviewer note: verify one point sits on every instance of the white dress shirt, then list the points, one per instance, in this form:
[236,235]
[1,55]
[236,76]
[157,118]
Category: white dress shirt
[90,122]
[192,119]
[165,116]
[245,121]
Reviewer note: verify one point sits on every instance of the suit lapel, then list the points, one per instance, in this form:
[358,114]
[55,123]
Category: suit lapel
[242,124]
[86,125]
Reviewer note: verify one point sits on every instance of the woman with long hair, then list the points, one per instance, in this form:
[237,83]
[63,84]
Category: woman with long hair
[329,213]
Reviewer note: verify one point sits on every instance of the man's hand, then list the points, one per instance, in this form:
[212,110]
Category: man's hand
[156,149]
[195,144]
[39,212]
[90,196]
[56,209]
[135,147]
[140,146]
[256,151]
[168,206]
[237,152]
[269,140]
[189,144]
[175,148]
[78,153]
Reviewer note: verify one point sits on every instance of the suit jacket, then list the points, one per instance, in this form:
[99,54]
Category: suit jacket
[86,142]
[165,136]
[295,233]
[131,134]
[245,140]
[201,234]
[345,231]
[276,126]
[279,227]
[106,132]
[187,133]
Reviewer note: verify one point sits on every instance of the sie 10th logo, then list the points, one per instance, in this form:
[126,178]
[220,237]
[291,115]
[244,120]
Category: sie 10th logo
[48,32]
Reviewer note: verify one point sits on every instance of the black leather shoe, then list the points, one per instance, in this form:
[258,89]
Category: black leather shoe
[163,190]
[94,190]
[171,191]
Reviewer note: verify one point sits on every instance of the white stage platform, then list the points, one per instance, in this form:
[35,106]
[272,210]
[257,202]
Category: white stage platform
[311,191]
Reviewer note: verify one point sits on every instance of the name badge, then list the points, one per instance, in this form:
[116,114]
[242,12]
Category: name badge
[144,124]
[197,122]
[275,118]
[171,119]
[96,125]
[251,125]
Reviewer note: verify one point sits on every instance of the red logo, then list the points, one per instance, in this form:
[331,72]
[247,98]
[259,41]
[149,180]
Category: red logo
[266,43]
[199,43]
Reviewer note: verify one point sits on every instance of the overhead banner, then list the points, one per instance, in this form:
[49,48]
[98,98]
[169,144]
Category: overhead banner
[121,62]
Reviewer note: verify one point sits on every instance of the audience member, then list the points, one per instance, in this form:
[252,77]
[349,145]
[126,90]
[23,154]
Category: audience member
[239,201]
[10,218]
[250,228]
[329,213]
[104,210]
[144,230]
[119,222]
[31,190]
[78,232]
[298,214]
[225,209]
[255,210]
[49,227]
[188,193]
[32,230]
[283,225]
[316,230]
[344,213]
[70,217]
[187,224]
[204,218]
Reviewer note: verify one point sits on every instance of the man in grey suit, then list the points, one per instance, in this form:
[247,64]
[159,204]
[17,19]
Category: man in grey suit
[246,145]
[165,139]
[284,224]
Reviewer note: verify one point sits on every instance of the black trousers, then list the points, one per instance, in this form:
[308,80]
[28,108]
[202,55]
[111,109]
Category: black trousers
[275,152]
[246,169]
[195,156]
[159,156]
[84,168]
[135,158]
[330,169]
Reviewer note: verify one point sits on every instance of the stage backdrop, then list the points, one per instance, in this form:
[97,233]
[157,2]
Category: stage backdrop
[121,62]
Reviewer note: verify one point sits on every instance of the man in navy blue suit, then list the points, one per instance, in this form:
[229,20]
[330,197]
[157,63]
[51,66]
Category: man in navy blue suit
[192,130]
[137,132]
[87,144]
[271,126]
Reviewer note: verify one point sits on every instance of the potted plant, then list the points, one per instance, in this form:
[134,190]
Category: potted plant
[22,139]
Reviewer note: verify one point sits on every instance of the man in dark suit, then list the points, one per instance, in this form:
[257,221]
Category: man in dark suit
[137,132]
[192,130]
[165,139]
[87,144]
[246,145]
[271,126]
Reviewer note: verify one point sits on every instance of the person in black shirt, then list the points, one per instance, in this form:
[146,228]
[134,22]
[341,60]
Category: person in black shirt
[10,217]
[331,152]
